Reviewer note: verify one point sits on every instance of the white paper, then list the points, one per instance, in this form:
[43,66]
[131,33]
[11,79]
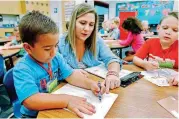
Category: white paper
[101,71]
[176,114]
[101,107]
[160,77]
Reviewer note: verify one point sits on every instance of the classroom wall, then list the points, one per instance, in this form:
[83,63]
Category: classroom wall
[112,6]
[56,14]
[175,7]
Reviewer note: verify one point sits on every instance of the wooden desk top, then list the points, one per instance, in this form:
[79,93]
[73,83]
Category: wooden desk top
[138,100]
[4,40]
[153,36]
[9,53]
[114,44]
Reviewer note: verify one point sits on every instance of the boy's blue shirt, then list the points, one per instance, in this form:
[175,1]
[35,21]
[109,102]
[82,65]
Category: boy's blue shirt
[103,54]
[28,74]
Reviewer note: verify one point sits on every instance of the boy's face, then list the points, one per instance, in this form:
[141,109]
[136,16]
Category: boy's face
[44,49]
[168,31]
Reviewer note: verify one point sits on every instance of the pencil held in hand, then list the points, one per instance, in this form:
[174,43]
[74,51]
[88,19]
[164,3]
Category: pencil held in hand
[99,94]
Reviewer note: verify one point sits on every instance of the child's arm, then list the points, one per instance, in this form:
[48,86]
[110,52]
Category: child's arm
[79,79]
[8,44]
[42,101]
[145,64]
[127,41]
[15,46]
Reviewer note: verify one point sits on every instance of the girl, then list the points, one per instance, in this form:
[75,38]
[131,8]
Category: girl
[135,38]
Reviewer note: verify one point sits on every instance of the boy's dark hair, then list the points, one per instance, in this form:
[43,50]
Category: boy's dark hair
[133,25]
[34,24]
[174,14]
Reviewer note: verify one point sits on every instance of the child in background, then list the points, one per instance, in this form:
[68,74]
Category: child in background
[105,28]
[115,33]
[39,71]
[16,43]
[163,51]
[134,38]
[146,31]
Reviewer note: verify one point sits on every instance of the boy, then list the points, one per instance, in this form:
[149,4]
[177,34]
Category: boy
[37,73]
[163,51]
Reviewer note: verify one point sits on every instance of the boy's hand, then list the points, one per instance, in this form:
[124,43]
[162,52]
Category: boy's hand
[151,65]
[95,88]
[112,82]
[174,81]
[79,105]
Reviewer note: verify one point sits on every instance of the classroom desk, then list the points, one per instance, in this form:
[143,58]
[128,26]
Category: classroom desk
[3,41]
[114,44]
[153,36]
[8,54]
[138,100]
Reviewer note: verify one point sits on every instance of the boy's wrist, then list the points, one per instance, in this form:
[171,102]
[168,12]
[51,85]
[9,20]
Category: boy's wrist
[67,100]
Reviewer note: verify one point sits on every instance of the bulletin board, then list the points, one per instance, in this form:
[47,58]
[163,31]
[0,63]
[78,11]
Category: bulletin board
[150,10]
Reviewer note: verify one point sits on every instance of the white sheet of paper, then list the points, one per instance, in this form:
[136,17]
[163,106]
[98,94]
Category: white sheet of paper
[101,107]
[101,71]
[159,77]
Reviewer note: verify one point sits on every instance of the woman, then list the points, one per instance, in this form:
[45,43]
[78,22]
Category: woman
[82,48]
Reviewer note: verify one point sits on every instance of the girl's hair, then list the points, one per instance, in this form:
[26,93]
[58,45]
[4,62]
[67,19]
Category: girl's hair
[174,14]
[133,25]
[90,42]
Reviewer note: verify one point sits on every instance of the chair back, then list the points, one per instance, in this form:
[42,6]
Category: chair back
[9,85]
[1,69]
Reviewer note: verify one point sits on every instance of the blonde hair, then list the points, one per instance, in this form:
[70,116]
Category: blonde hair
[90,42]
[145,22]
[115,20]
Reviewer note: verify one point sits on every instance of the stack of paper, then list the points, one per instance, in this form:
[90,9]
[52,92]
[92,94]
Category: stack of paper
[101,107]
[101,71]
[160,77]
